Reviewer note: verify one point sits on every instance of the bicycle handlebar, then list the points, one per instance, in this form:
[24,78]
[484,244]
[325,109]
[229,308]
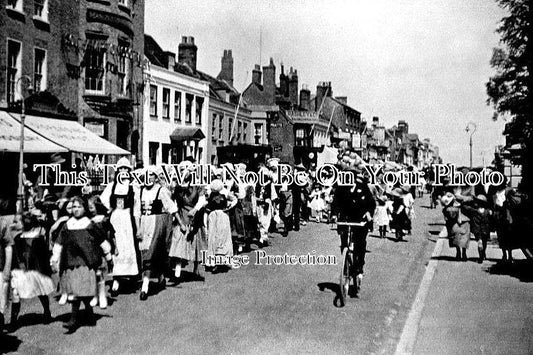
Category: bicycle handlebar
[352,224]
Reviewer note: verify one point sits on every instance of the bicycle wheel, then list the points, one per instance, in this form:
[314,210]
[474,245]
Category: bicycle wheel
[345,276]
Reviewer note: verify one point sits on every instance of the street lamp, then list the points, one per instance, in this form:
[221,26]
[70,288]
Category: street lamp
[467,129]
[20,192]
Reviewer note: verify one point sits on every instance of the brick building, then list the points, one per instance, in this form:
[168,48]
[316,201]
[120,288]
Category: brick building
[84,58]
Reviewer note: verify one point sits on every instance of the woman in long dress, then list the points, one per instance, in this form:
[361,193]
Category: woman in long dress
[188,236]
[122,199]
[457,226]
[78,253]
[31,272]
[155,230]
[218,225]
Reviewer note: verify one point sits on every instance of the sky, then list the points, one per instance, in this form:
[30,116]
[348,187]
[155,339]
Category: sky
[425,62]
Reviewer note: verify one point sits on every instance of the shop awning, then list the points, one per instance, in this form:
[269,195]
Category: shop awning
[72,136]
[33,143]
[181,134]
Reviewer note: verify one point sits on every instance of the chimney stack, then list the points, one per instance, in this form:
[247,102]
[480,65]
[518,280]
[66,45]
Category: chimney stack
[187,51]
[293,87]
[256,75]
[226,72]
[269,81]
[323,90]
[375,121]
[305,95]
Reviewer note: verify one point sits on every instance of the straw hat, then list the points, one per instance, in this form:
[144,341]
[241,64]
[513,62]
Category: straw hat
[123,163]
[481,198]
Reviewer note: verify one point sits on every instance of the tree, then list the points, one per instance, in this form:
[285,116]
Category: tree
[509,90]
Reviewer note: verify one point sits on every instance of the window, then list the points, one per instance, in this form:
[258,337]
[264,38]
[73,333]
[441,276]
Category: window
[188,108]
[40,9]
[123,70]
[230,127]
[123,2]
[239,131]
[13,69]
[177,106]
[94,69]
[300,136]
[166,103]
[258,132]
[199,105]
[244,132]
[165,153]
[153,100]
[14,4]
[153,147]
[214,127]
[39,69]
[220,127]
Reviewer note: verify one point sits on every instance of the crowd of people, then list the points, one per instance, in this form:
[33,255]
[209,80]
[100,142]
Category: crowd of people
[151,232]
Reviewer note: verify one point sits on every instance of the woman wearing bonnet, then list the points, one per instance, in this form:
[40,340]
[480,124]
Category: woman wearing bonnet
[122,198]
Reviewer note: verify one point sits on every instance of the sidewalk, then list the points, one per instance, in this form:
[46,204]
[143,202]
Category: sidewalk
[473,308]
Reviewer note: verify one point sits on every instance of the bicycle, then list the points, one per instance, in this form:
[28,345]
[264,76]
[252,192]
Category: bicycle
[348,262]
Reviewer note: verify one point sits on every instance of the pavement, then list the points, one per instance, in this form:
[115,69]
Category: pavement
[415,299]
[472,308]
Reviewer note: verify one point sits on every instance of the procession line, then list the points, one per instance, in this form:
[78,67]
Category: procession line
[410,330]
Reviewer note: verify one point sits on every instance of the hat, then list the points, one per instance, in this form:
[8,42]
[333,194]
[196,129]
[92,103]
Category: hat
[481,198]
[273,162]
[57,158]
[405,189]
[240,166]
[447,199]
[216,185]
[123,163]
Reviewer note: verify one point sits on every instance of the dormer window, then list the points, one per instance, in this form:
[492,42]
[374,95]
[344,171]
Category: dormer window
[40,9]
[14,4]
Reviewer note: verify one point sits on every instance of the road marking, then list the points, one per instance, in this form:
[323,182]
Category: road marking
[410,330]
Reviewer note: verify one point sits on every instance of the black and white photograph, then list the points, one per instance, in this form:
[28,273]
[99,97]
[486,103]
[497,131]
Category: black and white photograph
[266,177]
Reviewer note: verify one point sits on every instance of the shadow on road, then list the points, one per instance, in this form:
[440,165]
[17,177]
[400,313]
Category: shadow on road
[520,269]
[9,343]
[335,289]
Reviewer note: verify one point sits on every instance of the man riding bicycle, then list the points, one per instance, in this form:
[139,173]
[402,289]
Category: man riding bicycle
[354,204]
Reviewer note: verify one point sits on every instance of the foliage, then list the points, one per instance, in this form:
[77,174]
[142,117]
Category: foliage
[509,90]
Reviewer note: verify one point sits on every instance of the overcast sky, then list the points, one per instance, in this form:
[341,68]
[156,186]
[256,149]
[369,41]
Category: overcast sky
[423,61]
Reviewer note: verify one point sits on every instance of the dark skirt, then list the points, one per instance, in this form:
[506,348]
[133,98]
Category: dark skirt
[236,219]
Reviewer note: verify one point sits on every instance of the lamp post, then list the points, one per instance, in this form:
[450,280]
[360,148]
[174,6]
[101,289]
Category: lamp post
[467,129]
[20,192]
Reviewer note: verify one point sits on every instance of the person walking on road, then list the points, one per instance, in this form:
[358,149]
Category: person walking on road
[122,199]
[457,225]
[155,230]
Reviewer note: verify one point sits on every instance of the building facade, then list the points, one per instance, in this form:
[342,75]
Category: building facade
[175,111]
[84,58]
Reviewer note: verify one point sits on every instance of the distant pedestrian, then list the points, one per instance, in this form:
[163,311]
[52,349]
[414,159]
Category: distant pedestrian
[480,222]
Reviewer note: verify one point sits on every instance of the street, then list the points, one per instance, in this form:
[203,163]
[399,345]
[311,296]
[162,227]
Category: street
[259,309]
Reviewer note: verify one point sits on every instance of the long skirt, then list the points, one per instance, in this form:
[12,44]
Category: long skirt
[459,235]
[30,284]
[264,215]
[125,263]
[79,282]
[187,247]
[156,233]
[219,234]
[236,221]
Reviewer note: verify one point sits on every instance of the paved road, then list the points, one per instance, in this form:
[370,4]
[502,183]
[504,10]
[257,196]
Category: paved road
[258,308]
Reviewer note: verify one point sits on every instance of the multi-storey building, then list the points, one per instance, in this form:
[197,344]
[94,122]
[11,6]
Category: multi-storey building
[84,58]
[176,109]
